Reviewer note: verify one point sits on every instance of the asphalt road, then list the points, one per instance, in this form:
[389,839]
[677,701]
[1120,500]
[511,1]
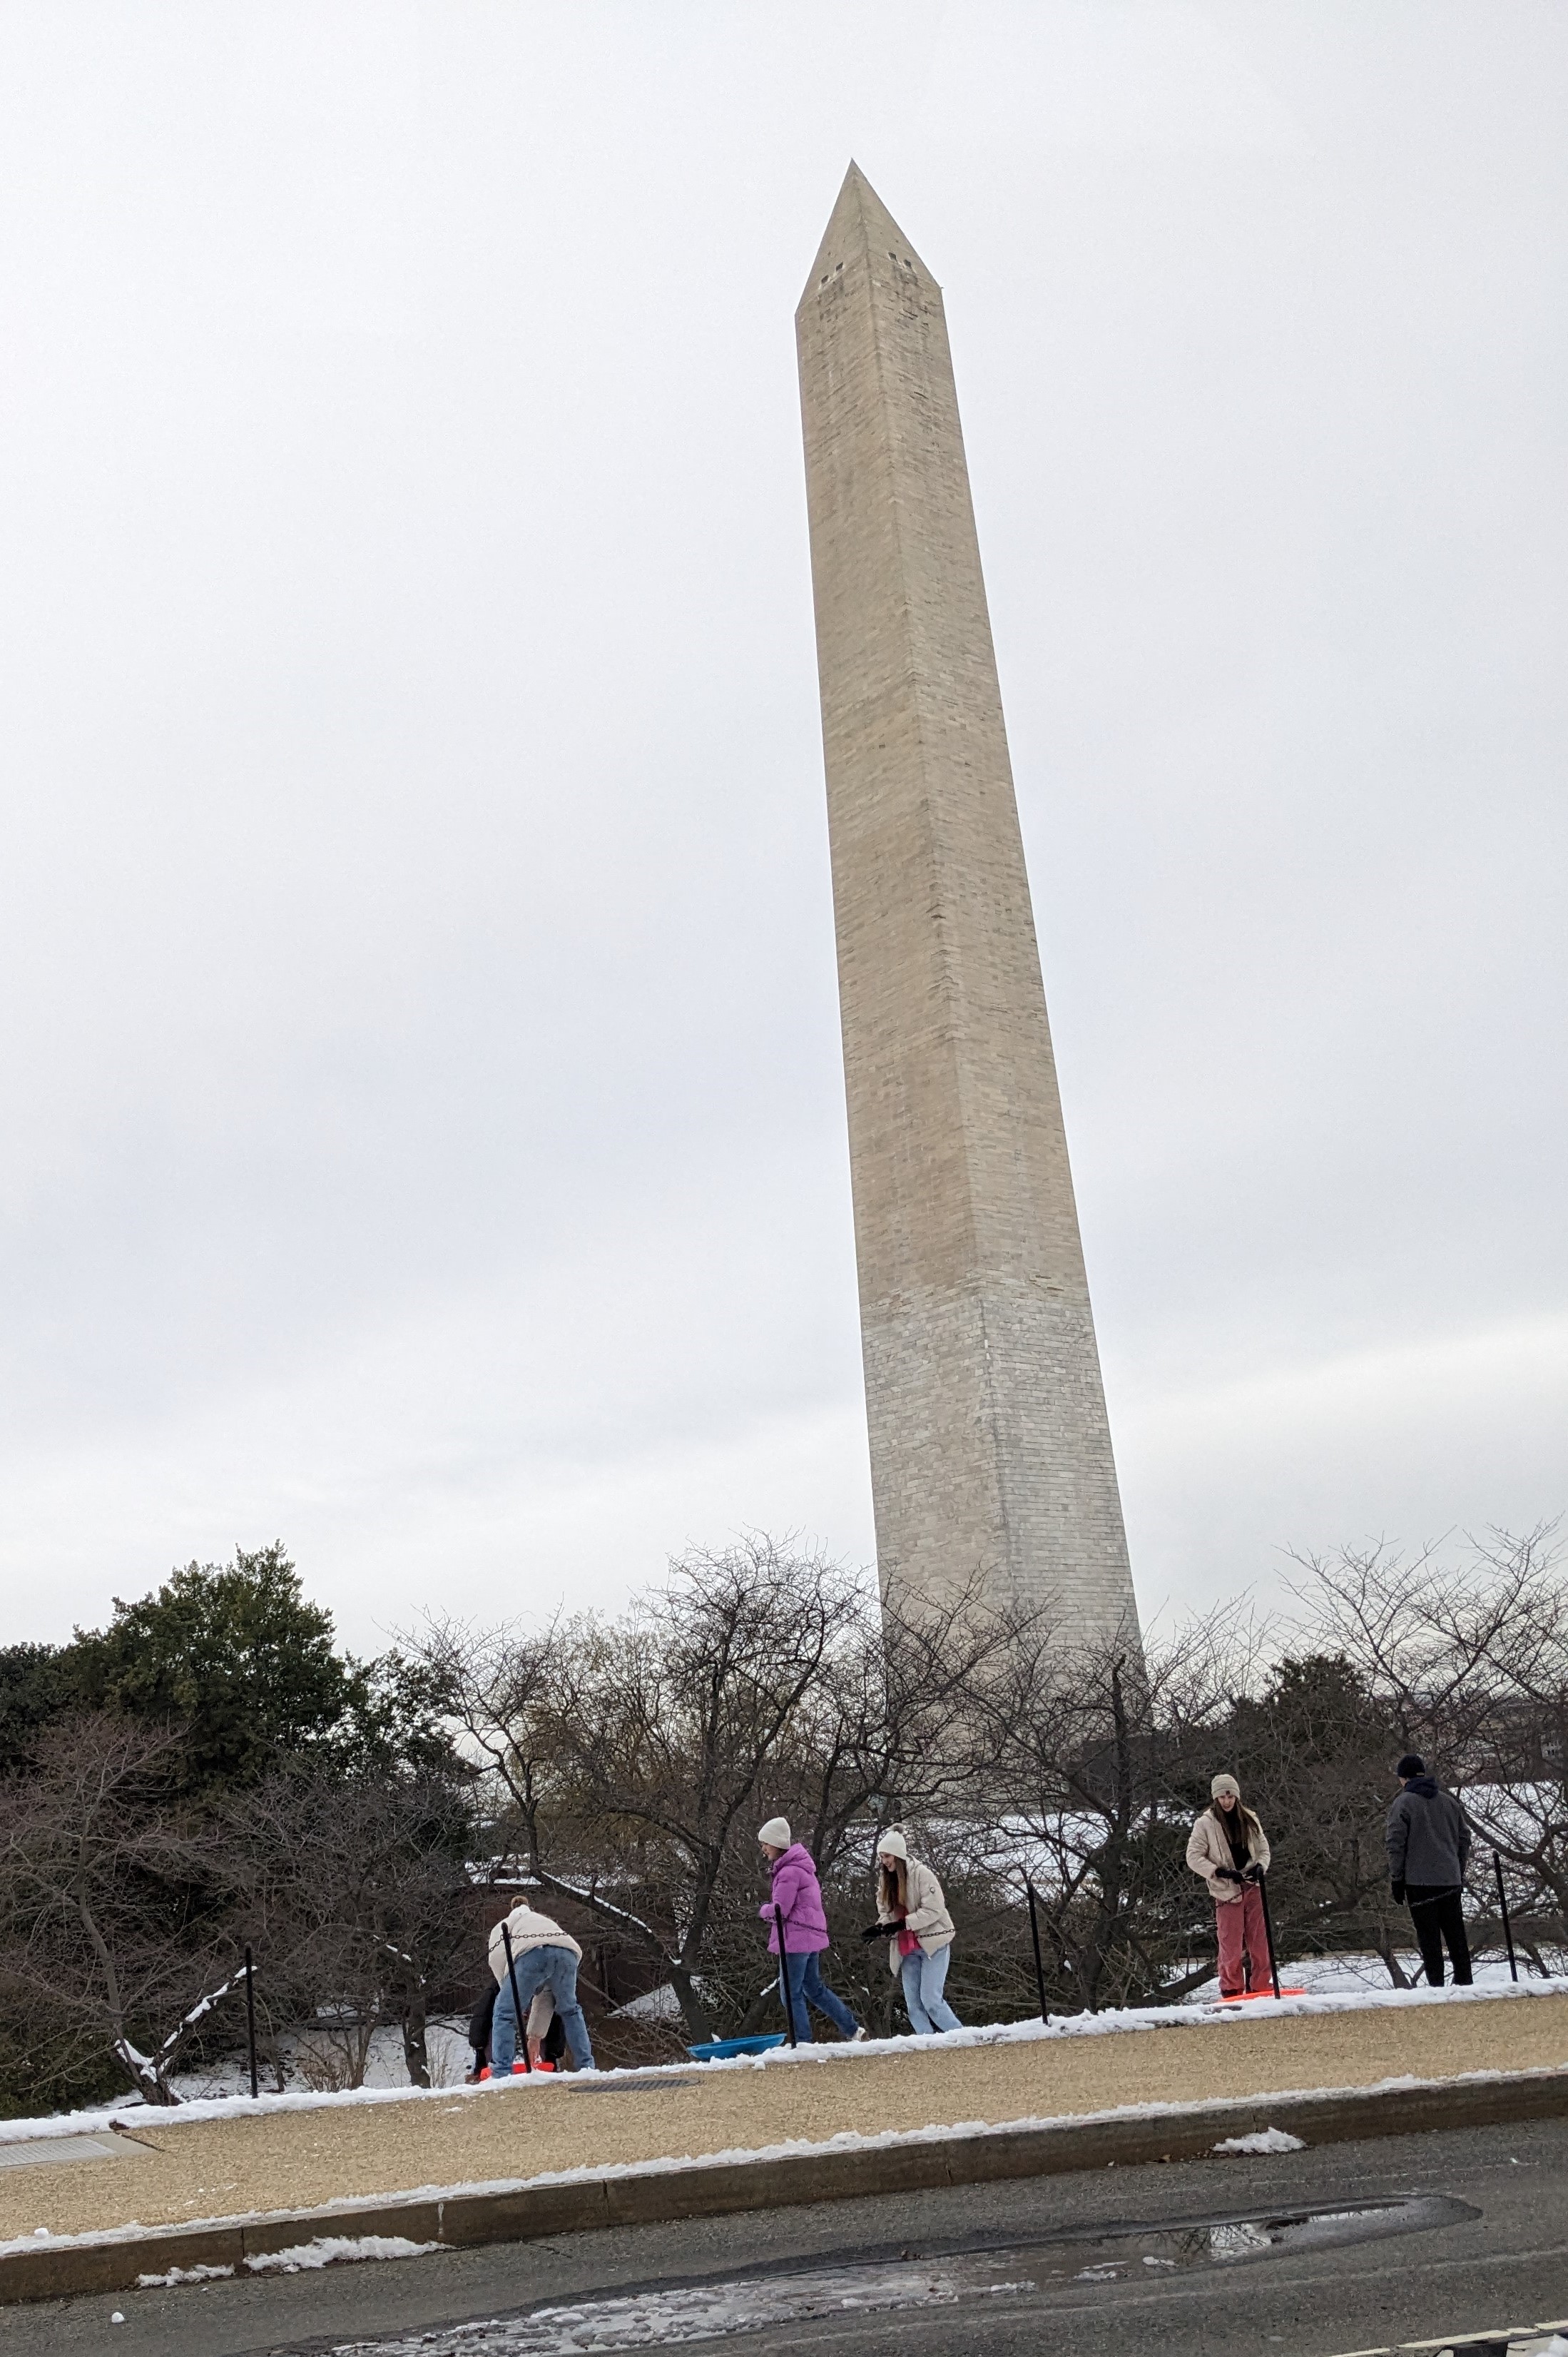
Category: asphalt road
[1458,2232]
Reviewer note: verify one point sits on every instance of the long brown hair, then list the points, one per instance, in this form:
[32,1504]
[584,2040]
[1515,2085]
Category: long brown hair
[1252,1823]
[893,1884]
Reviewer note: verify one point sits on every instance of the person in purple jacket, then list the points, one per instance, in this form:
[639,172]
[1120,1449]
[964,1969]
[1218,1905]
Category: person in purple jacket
[798,1896]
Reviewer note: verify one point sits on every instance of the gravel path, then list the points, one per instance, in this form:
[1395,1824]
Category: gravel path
[295,2160]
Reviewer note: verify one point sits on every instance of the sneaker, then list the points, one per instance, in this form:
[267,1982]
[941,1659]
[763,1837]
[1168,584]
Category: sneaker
[860,2036]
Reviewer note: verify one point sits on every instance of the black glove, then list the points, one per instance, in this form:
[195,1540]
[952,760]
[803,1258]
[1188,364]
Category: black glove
[1253,1874]
[1399,1893]
[1226,1874]
[879,1932]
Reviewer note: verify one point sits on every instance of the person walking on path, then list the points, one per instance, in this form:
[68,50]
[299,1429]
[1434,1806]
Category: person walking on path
[798,1895]
[909,1905]
[1229,1849]
[543,1956]
[1428,1842]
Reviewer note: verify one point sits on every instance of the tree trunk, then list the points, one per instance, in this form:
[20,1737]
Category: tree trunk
[1397,1973]
[414,2054]
[694,2012]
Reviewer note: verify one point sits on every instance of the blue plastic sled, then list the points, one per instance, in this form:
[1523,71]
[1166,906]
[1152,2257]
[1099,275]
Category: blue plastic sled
[719,2050]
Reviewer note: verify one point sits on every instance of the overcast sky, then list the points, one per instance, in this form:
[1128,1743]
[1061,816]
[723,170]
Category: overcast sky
[424,1131]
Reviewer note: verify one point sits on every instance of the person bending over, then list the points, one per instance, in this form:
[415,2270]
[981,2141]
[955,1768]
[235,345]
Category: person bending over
[543,1956]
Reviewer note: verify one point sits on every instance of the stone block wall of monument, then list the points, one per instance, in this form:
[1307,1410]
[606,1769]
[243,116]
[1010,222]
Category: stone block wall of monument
[990,1444]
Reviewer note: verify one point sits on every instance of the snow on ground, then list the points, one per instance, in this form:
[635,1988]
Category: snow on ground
[1348,1975]
[1494,1985]
[173,2276]
[446,2045]
[659,2004]
[1262,2140]
[326,2251]
[335,2250]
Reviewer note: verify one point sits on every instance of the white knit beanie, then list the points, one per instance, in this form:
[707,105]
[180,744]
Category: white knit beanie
[892,1844]
[1223,1783]
[776,1833]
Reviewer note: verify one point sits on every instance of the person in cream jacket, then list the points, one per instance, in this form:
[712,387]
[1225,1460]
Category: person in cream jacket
[1229,1849]
[911,1906]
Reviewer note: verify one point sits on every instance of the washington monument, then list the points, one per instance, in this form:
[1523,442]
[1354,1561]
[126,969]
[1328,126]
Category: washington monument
[990,1446]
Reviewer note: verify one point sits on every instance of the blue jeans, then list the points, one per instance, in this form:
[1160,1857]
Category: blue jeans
[807,1988]
[924,1979]
[548,1967]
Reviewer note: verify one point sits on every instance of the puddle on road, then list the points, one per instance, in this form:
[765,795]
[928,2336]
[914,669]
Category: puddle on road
[665,2317]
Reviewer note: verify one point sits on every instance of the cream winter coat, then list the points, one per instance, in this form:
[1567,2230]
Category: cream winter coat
[1208,1845]
[926,1915]
[527,1929]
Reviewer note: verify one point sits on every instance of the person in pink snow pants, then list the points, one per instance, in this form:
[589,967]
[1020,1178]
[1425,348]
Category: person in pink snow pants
[1229,1849]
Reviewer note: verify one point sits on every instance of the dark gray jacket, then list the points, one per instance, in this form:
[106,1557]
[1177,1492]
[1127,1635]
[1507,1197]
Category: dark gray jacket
[1428,1839]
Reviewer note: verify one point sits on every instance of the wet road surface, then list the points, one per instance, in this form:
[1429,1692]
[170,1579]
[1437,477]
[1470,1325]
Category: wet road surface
[1306,2254]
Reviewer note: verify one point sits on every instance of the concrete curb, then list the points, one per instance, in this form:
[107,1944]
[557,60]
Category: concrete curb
[647,2196]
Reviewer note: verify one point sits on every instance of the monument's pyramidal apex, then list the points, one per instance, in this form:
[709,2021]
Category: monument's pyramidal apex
[859,219]
[990,1446]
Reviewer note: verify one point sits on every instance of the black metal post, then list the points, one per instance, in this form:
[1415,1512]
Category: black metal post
[784,1975]
[1503,1908]
[516,2003]
[250,2019]
[1269,1930]
[1035,1936]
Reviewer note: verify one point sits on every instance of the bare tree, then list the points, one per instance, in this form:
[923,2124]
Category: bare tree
[1098,1752]
[356,1890]
[1516,1797]
[110,1913]
[636,1755]
[1464,1660]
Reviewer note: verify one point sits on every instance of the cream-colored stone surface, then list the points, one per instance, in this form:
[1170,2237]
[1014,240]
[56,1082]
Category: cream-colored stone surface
[289,2160]
[990,1444]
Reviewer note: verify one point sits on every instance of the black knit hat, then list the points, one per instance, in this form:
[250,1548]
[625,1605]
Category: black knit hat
[1412,1764]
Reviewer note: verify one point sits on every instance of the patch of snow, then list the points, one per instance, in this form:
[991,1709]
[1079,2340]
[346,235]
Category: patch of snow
[1357,1972]
[180,2276]
[659,2004]
[1262,2141]
[227,2076]
[335,2250]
